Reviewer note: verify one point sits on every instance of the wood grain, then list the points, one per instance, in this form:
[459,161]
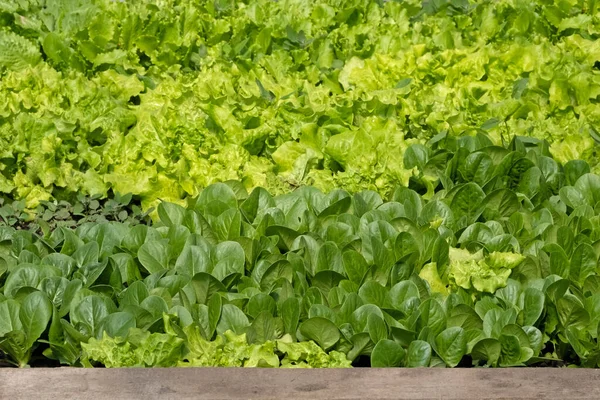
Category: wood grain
[331,384]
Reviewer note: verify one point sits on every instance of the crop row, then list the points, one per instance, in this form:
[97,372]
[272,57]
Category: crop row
[161,99]
[488,257]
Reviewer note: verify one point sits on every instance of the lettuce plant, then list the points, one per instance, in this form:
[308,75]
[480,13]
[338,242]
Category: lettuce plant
[124,96]
[489,257]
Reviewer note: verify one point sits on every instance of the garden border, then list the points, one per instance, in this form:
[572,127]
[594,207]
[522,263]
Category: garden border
[329,384]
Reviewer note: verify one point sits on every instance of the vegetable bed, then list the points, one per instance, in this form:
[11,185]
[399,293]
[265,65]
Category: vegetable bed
[496,270]
[299,184]
[163,98]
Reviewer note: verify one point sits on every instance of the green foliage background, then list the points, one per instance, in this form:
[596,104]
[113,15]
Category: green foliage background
[335,183]
[163,98]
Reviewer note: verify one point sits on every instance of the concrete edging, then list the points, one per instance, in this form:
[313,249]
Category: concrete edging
[330,384]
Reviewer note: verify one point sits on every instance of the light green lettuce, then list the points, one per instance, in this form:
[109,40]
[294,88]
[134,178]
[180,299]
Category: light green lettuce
[231,350]
[139,349]
[476,271]
[163,101]
[430,273]
[309,355]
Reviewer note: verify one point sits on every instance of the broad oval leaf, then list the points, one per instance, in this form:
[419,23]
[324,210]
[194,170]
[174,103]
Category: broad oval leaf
[387,354]
[321,330]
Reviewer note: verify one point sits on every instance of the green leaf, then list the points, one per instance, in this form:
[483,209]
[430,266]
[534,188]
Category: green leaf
[416,155]
[536,340]
[260,302]
[264,328]
[192,260]
[584,263]
[171,214]
[501,203]
[467,203]
[232,319]
[9,317]
[218,193]
[286,236]
[155,305]
[571,312]
[511,351]
[59,52]
[431,314]
[35,314]
[359,317]
[258,201]
[440,257]
[575,169]
[589,186]
[451,345]
[373,293]
[377,328]
[336,208]
[387,354]
[229,259]
[215,305]
[154,256]
[290,314]
[118,324]
[487,350]
[355,266]
[418,354]
[205,286]
[86,254]
[533,305]
[329,258]
[321,330]
[403,292]
[134,294]
[16,52]
[227,226]
[557,289]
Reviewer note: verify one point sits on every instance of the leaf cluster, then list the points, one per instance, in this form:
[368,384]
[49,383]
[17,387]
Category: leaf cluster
[51,215]
[488,257]
[161,101]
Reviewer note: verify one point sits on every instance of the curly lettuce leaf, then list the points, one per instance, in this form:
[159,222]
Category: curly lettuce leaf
[484,274]
[134,98]
[309,355]
[231,350]
[139,349]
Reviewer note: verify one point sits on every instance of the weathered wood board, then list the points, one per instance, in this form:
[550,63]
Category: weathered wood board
[331,384]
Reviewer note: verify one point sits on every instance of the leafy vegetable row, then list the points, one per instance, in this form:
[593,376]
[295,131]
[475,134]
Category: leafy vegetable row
[488,257]
[161,100]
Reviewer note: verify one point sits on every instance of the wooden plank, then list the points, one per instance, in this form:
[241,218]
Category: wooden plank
[331,384]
